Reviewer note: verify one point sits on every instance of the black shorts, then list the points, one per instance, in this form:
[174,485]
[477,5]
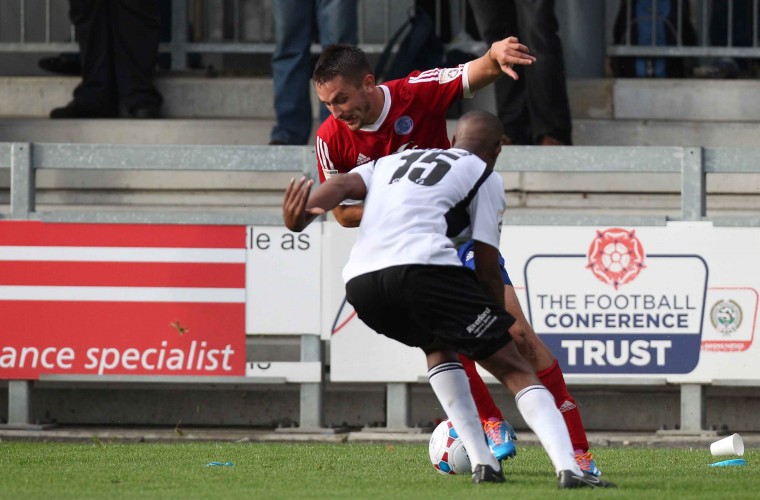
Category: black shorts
[431,307]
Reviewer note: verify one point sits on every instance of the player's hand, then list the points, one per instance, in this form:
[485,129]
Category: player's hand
[509,52]
[294,211]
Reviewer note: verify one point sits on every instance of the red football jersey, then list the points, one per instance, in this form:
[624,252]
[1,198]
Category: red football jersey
[413,116]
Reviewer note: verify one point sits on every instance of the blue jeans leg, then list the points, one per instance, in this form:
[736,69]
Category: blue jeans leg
[336,21]
[291,70]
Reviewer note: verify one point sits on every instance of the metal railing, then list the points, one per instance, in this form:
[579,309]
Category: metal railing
[196,26]
[693,164]
[686,28]
[646,28]
[26,159]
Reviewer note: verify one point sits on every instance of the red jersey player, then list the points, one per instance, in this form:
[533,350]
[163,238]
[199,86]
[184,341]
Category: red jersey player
[413,115]
[369,121]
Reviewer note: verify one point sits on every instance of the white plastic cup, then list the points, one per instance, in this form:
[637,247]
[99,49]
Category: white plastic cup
[729,445]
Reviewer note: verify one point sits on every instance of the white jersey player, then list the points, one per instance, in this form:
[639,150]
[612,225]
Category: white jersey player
[417,201]
[405,280]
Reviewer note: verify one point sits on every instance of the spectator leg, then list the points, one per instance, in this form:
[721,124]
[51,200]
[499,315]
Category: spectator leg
[545,85]
[497,20]
[291,70]
[90,19]
[337,23]
[135,27]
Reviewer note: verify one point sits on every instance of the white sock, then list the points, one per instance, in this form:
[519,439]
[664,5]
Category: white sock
[536,405]
[451,387]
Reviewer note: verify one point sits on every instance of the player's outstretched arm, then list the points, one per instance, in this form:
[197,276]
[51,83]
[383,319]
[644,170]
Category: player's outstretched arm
[299,208]
[294,211]
[498,60]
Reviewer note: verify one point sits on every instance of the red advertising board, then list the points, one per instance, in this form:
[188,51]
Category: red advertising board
[121,299]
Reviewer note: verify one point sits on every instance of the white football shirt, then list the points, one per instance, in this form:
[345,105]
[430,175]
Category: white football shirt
[417,201]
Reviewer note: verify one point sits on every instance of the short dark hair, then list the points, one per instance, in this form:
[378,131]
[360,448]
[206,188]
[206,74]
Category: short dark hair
[343,60]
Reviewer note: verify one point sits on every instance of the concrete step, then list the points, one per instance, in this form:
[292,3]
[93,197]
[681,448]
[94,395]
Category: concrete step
[662,99]
[247,97]
[686,99]
[184,96]
[617,132]
[125,131]
[586,131]
[239,111]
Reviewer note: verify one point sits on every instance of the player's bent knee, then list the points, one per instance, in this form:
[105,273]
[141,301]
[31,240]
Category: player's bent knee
[518,333]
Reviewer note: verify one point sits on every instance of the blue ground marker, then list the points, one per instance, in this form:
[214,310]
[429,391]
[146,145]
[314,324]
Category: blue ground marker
[730,463]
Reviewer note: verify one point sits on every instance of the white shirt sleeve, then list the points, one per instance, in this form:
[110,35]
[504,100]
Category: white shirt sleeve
[365,172]
[487,210]
[466,92]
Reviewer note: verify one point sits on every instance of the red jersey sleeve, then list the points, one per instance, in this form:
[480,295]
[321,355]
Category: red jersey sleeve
[333,147]
[441,86]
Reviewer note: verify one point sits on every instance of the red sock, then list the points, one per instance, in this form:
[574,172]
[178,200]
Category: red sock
[553,379]
[483,401]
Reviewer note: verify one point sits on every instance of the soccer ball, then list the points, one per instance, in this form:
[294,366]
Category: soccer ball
[447,451]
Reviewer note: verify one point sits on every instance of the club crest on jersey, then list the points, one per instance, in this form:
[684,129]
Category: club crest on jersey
[403,125]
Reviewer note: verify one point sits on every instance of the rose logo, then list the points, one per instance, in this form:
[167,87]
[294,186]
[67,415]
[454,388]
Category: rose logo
[616,256]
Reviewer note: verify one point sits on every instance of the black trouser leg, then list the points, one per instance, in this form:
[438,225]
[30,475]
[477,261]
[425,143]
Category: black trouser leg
[135,27]
[98,88]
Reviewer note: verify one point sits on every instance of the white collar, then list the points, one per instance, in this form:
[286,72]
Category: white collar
[386,108]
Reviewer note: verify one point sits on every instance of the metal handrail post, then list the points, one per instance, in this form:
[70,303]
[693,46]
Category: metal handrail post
[693,185]
[312,394]
[19,402]
[179,35]
[22,180]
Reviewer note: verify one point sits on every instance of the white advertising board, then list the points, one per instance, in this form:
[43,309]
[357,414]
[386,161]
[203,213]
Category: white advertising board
[283,280]
[678,301]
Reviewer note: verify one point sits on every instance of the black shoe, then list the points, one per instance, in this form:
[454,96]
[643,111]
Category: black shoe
[568,479]
[76,109]
[144,112]
[486,474]
[64,64]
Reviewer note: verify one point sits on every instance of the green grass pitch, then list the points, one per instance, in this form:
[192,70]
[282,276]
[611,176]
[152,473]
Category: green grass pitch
[350,471]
